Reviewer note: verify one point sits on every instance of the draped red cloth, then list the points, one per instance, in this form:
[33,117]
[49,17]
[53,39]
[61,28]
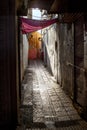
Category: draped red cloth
[30,25]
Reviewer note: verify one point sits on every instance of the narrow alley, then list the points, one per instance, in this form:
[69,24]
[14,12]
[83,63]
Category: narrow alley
[44,104]
[43,65]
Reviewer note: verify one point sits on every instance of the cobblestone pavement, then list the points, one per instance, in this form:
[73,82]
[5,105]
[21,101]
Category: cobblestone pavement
[44,104]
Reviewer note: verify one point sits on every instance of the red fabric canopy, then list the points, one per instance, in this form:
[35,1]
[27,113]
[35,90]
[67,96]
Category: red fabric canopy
[29,25]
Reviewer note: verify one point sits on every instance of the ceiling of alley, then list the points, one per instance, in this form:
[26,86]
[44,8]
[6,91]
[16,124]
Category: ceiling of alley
[71,9]
[59,6]
[55,6]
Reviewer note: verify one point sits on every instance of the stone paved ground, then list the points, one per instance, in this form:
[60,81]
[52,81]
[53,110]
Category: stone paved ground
[44,104]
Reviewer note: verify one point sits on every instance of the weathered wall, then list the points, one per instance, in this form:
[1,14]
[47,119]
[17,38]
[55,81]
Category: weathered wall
[73,61]
[24,46]
[21,62]
[85,46]
[49,39]
[65,54]
[25,51]
[59,52]
[66,48]
[57,58]
[85,69]
[79,61]
[85,57]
